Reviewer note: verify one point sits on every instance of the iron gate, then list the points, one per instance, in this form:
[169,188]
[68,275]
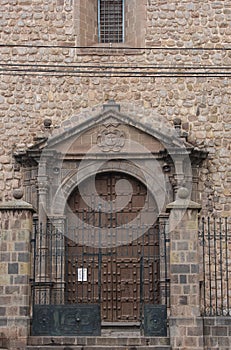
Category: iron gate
[215,244]
[76,288]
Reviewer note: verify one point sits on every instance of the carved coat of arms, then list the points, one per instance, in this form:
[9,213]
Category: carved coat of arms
[111,139]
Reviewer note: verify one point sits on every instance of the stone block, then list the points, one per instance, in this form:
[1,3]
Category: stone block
[220,331]
[3,268]
[24,257]
[2,310]
[180,268]
[224,342]
[194,331]
[3,321]
[24,268]
[13,268]
[183,279]
[5,280]
[183,300]
[191,342]
[220,321]
[12,290]
[24,279]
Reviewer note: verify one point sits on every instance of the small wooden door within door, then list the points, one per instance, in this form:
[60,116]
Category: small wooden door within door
[121,276]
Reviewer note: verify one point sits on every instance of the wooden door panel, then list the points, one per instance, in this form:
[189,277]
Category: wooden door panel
[128,289]
[126,273]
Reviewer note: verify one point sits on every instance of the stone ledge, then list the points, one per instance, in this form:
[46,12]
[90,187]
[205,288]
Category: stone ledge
[16,205]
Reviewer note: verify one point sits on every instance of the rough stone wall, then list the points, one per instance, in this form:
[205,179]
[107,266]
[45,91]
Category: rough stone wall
[202,101]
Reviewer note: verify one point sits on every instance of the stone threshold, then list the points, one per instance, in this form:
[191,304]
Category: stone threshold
[117,340]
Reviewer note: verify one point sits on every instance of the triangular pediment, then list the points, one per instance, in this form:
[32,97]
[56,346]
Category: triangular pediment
[110,130]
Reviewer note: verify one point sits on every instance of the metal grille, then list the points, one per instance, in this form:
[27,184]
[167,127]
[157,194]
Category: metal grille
[111,21]
[102,260]
[214,236]
[120,278]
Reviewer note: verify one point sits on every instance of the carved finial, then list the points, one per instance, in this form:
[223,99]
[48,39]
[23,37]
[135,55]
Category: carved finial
[183,193]
[111,105]
[18,193]
[47,123]
[183,201]
[177,125]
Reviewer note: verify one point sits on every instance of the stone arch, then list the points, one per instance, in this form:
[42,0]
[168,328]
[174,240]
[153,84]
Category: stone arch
[153,181]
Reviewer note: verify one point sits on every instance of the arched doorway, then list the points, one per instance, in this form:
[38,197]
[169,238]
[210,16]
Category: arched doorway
[112,256]
[93,263]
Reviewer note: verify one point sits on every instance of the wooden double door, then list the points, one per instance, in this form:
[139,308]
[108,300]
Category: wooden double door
[112,258]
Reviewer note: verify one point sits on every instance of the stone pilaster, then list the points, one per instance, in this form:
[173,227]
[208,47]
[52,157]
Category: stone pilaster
[186,327]
[15,265]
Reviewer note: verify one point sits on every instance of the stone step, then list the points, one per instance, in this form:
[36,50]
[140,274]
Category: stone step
[108,341]
[99,347]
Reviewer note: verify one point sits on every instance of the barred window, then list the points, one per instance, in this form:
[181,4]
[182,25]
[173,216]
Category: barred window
[111,21]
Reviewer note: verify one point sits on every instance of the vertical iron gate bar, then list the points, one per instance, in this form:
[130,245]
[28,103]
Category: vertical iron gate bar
[100,256]
[227,262]
[62,260]
[141,290]
[165,263]
[40,259]
[203,260]
[66,259]
[47,255]
[210,275]
[155,288]
[35,228]
[150,266]
[56,233]
[215,262]
[81,261]
[82,249]
[221,266]
[45,248]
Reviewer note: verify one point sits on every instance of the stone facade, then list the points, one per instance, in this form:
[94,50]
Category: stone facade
[174,29]
[175,66]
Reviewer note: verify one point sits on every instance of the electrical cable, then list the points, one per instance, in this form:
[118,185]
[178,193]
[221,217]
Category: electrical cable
[111,48]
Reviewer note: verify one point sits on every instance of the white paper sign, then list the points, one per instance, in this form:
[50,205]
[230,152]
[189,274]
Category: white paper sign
[82,274]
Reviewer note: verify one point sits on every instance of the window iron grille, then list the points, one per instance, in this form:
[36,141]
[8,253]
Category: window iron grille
[111,21]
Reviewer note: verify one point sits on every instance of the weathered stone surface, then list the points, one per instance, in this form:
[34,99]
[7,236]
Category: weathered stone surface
[201,102]
[179,38]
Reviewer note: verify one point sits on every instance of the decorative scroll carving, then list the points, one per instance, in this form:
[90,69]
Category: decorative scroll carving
[111,139]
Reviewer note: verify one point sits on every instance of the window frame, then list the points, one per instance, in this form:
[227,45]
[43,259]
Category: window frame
[100,23]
